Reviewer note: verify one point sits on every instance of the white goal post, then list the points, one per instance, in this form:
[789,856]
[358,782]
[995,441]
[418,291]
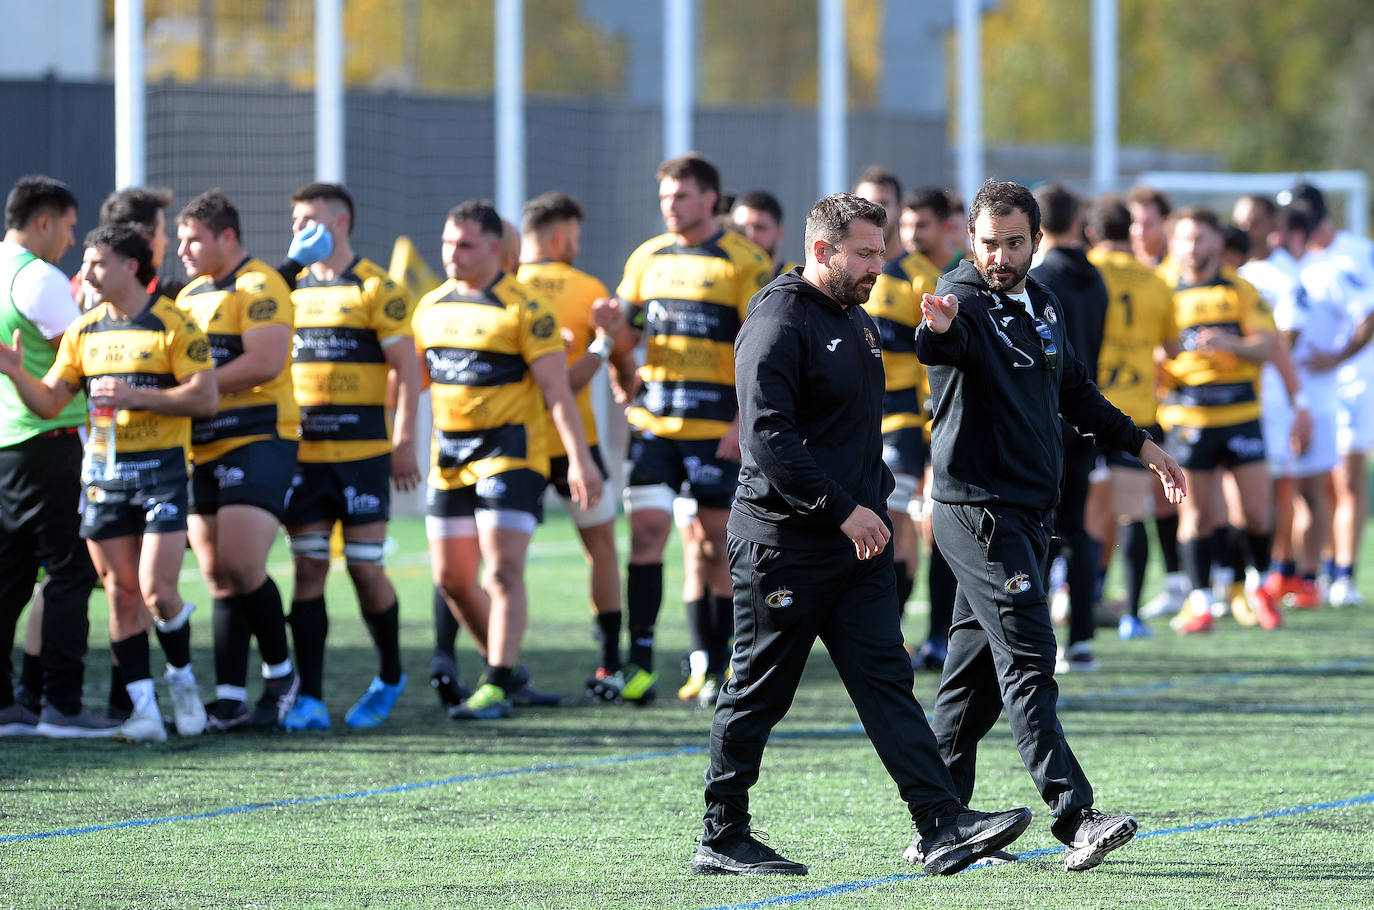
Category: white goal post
[1353,186]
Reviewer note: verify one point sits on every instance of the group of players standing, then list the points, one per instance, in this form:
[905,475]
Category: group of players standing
[271,388]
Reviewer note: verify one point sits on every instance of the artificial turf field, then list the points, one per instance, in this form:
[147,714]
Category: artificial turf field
[1248,758]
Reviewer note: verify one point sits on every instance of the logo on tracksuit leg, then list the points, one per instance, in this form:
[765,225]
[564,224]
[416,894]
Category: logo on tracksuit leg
[1017,584]
[782,597]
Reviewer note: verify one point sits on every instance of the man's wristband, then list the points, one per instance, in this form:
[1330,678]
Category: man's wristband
[601,347]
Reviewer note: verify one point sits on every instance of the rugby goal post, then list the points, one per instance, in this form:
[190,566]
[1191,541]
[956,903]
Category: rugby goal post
[1352,187]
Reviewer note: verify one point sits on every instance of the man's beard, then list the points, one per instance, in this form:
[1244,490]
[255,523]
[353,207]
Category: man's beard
[1004,284]
[846,289]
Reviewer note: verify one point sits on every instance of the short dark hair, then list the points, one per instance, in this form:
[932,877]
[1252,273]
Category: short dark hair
[1058,208]
[481,211]
[830,217]
[1313,197]
[1235,240]
[1200,213]
[694,165]
[35,195]
[761,200]
[330,192]
[1263,203]
[1002,197]
[136,206]
[1109,219]
[929,197]
[1140,194]
[1295,217]
[876,173]
[127,242]
[548,209]
[214,210]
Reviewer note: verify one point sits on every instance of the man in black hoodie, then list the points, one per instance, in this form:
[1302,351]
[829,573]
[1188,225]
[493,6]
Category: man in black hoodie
[808,544]
[1067,273]
[1002,372]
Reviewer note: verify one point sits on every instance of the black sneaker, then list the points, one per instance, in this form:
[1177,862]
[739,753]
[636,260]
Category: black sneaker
[18,720]
[444,679]
[278,695]
[524,695]
[225,714]
[28,699]
[85,723]
[995,858]
[968,837]
[743,854]
[1097,835]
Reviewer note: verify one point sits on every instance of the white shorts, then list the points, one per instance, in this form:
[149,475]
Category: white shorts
[1355,418]
[1322,453]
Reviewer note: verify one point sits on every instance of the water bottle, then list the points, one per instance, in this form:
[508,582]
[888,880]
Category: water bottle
[100,448]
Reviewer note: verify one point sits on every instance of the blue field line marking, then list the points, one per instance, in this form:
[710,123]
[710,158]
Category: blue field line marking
[848,887]
[852,729]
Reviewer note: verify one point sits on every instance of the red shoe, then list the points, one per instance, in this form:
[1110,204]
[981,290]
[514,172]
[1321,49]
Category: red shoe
[1191,622]
[1266,609]
[1280,586]
[1305,596]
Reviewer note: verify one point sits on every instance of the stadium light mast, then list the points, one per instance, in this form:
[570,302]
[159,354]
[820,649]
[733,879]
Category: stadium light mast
[131,125]
[832,107]
[510,108]
[329,93]
[1105,94]
[971,164]
[679,75]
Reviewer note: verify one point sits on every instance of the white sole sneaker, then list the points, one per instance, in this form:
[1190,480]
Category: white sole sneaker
[187,710]
[144,727]
[1091,855]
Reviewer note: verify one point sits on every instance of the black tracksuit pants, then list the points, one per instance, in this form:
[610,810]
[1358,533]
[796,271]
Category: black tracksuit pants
[1001,651]
[784,601]
[1080,550]
[40,490]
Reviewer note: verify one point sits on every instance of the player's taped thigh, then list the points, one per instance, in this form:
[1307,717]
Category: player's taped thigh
[899,500]
[443,527]
[365,552]
[310,545]
[649,497]
[507,519]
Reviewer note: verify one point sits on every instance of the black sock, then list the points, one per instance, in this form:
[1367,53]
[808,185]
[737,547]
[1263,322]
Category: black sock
[176,645]
[31,674]
[263,610]
[1135,551]
[385,628]
[722,611]
[644,596]
[1196,559]
[608,633]
[502,677]
[445,625]
[1166,529]
[1261,547]
[943,587]
[233,638]
[133,657]
[699,623]
[905,582]
[119,696]
[309,628]
[1236,551]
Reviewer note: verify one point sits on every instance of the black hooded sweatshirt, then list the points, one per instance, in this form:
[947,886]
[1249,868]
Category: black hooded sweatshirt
[995,436]
[809,376]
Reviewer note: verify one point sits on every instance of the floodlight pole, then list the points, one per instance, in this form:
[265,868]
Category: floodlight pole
[131,126]
[971,163]
[510,108]
[832,100]
[329,94]
[1105,94]
[679,76]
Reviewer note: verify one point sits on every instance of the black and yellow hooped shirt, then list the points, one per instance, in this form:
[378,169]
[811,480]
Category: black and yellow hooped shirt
[338,362]
[895,305]
[689,301]
[1140,318]
[160,348]
[489,414]
[1215,389]
[253,296]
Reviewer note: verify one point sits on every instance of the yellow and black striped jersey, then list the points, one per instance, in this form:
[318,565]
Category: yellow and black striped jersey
[160,348]
[476,349]
[1140,318]
[1215,389]
[572,293]
[253,296]
[338,365]
[689,302]
[895,305]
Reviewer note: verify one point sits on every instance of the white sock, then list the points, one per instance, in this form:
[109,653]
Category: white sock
[276,671]
[143,695]
[232,693]
[180,674]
